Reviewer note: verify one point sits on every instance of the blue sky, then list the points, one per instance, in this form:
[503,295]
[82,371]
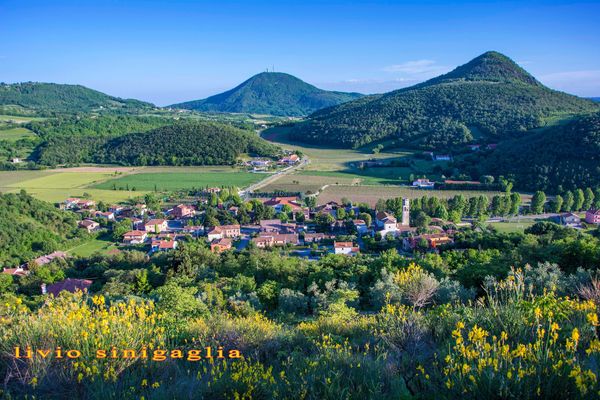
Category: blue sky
[170,51]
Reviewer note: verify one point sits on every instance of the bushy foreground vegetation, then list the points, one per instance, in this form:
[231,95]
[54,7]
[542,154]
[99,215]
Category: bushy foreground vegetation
[30,227]
[494,315]
[523,338]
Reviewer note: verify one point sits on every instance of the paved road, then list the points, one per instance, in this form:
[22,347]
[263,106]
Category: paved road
[271,178]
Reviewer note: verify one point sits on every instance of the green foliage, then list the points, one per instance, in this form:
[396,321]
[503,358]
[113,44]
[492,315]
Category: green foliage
[272,93]
[30,227]
[562,157]
[490,95]
[184,143]
[104,125]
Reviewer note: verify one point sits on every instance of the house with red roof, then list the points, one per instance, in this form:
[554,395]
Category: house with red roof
[220,245]
[592,216]
[135,237]
[88,225]
[278,202]
[346,248]
[156,225]
[223,231]
[183,211]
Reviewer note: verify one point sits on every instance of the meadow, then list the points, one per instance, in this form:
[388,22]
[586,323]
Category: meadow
[56,185]
[168,179]
[14,134]
[88,248]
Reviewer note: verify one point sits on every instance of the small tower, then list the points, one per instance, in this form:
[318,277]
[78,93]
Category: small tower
[405,212]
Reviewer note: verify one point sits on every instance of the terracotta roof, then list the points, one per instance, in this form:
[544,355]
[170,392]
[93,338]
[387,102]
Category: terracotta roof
[164,244]
[343,244]
[135,233]
[70,285]
[156,222]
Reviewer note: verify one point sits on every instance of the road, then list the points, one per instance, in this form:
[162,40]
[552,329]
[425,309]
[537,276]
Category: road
[271,178]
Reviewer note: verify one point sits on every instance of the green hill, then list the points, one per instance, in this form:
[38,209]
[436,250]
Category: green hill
[273,93]
[183,143]
[30,228]
[37,97]
[491,96]
[564,156]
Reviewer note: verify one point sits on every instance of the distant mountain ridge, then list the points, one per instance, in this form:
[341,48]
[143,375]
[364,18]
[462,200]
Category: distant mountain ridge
[272,93]
[30,97]
[488,98]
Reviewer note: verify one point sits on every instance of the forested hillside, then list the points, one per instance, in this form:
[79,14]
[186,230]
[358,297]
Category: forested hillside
[183,143]
[105,125]
[50,98]
[490,96]
[561,157]
[272,93]
[30,227]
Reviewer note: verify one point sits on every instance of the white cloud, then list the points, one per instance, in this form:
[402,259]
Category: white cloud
[582,83]
[417,67]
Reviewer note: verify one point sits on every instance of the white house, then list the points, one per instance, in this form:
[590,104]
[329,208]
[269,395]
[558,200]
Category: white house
[347,248]
[423,184]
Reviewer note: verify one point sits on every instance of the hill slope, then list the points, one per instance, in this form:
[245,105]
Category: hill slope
[183,143]
[29,97]
[272,93]
[489,96]
[565,155]
[30,227]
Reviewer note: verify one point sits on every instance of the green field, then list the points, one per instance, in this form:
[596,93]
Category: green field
[57,185]
[341,166]
[14,134]
[19,119]
[508,227]
[328,159]
[88,248]
[167,181]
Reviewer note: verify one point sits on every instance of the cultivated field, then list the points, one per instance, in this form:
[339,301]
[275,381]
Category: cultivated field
[167,179]
[370,194]
[306,182]
[57,185]
[14,134]
[324,159]
[98,182]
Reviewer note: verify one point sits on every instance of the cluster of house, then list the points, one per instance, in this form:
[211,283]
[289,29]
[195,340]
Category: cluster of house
[260,164]
[424,183]
[574,221]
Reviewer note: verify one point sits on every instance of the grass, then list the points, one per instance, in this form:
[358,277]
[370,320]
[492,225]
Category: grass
[181,180]
[328,159]
[510,227]
[19,119]
[57,185]
[14,134]
[307,182]
[370,194]
[88,248]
